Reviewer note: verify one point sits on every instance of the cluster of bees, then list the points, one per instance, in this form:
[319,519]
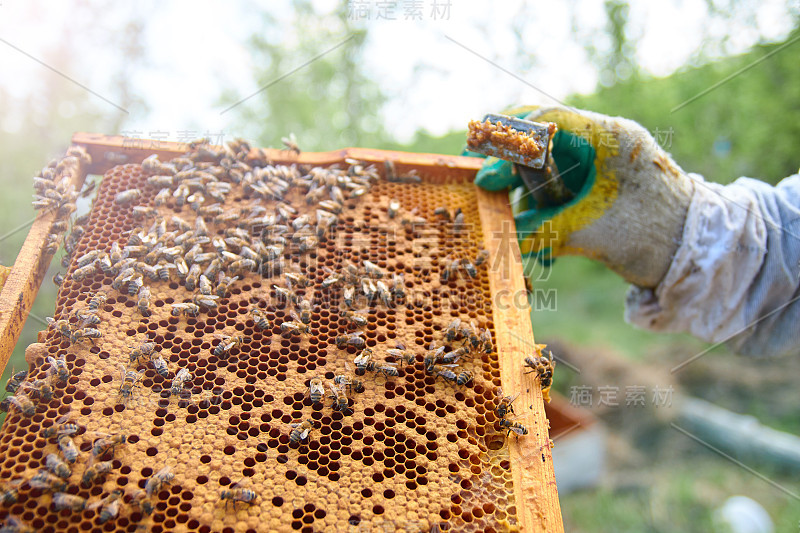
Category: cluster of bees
[543,367]
[55,193]
[54,478]
[25,394]
[207,253]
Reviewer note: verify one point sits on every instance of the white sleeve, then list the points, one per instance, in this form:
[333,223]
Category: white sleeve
[735,275]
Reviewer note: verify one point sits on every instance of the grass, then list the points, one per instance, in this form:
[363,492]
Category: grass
[679,497]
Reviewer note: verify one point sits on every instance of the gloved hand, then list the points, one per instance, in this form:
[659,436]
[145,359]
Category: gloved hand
[630,197]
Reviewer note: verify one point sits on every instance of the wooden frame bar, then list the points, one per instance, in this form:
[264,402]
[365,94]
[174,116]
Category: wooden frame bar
[26,276]
[536,496]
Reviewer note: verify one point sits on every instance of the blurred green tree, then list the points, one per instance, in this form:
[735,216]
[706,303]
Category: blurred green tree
[330,102]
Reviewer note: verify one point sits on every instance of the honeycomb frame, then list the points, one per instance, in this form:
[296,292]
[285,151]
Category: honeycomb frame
[460,462]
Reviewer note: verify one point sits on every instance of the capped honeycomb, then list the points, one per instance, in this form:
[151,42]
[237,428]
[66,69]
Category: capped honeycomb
[412,452]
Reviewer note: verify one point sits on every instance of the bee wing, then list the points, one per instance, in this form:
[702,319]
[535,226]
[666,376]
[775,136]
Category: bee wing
[99,503]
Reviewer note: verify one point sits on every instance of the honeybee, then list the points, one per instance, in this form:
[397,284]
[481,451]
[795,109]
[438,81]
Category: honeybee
[15,525]
[127,197]
[186,309]
[21,402]
[260,318]
[351,384]
[543,367]
[15,381]
[139,498]
[52,244]
[340,401]
[162,197]
[160,365]
[191,277]
[450,270]
[464,377]
[224,285]
[433,356]
[332,279]
[158,480]
[383,293]
[97,300]
[301,431]
[9,492]
[291,143]
[86,318]
[516,427]
[143,302]
[226,344]
[129,379]
[206,300]
[124,276]
[57,466]
[161,181]
[141,211]
[68,448]
[135,284]
[40,388]
[442,212]
[459,222]
[362,361]
[110,506]
[372,269]
[46,481]
[486,340]
[88,258]
[394,207]
[176,388]
[145,349]
[398,286]
[355,319]
[204,285]
[294,328]
[298,280]
[305,311]
[401,354]
[443,371]
[96,469]
[58,278]
[351,339]
[316,390]
[108,442]
[61,326]
[348,294]
[86,333]
[62,500]
[163,270]
[481,258]
[453,330]
[471,270]
[235,495]
[61,427]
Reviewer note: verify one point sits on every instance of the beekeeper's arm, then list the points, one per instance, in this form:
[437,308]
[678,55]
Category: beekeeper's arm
[719,262]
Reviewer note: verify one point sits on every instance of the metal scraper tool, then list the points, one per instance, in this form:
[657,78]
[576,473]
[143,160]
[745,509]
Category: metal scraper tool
[528,145]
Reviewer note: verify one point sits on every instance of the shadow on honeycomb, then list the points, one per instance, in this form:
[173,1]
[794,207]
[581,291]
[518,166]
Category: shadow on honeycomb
[415,451]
